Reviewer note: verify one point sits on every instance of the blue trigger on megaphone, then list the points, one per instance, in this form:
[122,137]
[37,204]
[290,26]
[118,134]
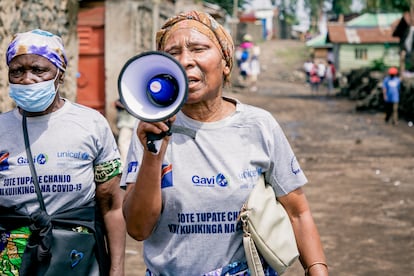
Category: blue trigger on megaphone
[162,89]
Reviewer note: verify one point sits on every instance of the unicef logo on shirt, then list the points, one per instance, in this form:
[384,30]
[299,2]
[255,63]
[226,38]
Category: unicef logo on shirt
[73,155]
[294,165]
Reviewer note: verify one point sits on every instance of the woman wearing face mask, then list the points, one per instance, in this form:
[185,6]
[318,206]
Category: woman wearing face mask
[184,201]
[74,152]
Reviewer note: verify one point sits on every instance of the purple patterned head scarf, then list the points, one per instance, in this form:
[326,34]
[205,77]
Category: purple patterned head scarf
[205,24]
[38,42]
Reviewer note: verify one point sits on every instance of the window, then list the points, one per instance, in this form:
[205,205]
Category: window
[361,53]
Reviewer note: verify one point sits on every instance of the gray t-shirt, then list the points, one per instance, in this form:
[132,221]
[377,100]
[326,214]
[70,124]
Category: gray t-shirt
[205,182]
[66,145]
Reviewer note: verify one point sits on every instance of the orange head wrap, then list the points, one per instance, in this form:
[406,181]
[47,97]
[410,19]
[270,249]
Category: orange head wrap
[205,24]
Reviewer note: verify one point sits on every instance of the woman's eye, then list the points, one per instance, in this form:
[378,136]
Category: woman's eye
[173,53]
[38,71]
[16,72]
[200,48]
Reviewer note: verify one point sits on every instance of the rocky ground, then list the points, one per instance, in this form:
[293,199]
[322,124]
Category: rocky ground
[360,170]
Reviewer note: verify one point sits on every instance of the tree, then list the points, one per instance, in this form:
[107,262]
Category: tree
[315,7]
[387,5]
[341,7]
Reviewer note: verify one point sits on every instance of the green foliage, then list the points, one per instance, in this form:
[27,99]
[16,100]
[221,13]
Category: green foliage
[387,5]
[409,66]
[341,6]
[378,65]
[315,7]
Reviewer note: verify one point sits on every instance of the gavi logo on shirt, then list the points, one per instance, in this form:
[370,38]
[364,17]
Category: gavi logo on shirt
[40,159]
[210,181]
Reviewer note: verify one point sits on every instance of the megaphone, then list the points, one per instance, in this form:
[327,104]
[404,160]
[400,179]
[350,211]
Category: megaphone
[153,86]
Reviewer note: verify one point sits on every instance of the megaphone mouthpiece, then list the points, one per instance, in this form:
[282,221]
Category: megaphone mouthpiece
[162,90]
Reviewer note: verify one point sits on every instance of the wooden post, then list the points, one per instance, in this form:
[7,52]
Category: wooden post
[155,19]
[402,63]
[235,20]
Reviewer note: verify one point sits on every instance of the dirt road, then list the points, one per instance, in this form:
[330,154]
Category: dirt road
[360,171]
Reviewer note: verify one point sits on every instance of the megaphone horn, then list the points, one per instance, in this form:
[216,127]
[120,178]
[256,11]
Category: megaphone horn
[153,86]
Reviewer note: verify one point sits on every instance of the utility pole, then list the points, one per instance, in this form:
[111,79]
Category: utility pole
[155,20]
[235,20]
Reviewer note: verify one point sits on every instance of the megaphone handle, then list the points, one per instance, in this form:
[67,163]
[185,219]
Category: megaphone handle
[152,137]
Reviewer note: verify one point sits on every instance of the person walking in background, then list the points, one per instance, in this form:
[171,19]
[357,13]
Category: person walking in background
[307,67]
[254,68]
[76,159]
[321,71]
[314,79]
[330,76]
[391,90]
[245,49]
[249,62]
[247,55]
[181,200]
[238,55]
[125,124]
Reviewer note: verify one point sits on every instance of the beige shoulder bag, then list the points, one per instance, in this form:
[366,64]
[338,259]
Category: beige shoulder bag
[267,231]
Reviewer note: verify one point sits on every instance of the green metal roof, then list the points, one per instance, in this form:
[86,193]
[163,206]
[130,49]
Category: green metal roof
[318,42]
[374,20]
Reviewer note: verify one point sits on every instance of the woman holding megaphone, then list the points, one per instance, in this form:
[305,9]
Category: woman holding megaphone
[184,201]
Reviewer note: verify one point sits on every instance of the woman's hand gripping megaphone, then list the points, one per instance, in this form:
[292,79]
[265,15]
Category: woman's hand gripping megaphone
[153,134]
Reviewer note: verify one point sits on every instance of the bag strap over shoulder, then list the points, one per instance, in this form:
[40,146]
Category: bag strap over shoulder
[252,256]
[41,239]
[31,164]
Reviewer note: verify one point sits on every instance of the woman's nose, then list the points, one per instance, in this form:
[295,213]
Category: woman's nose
[28,78]
[186,58]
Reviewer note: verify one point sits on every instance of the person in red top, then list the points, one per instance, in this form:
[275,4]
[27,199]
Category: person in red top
[314,79]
